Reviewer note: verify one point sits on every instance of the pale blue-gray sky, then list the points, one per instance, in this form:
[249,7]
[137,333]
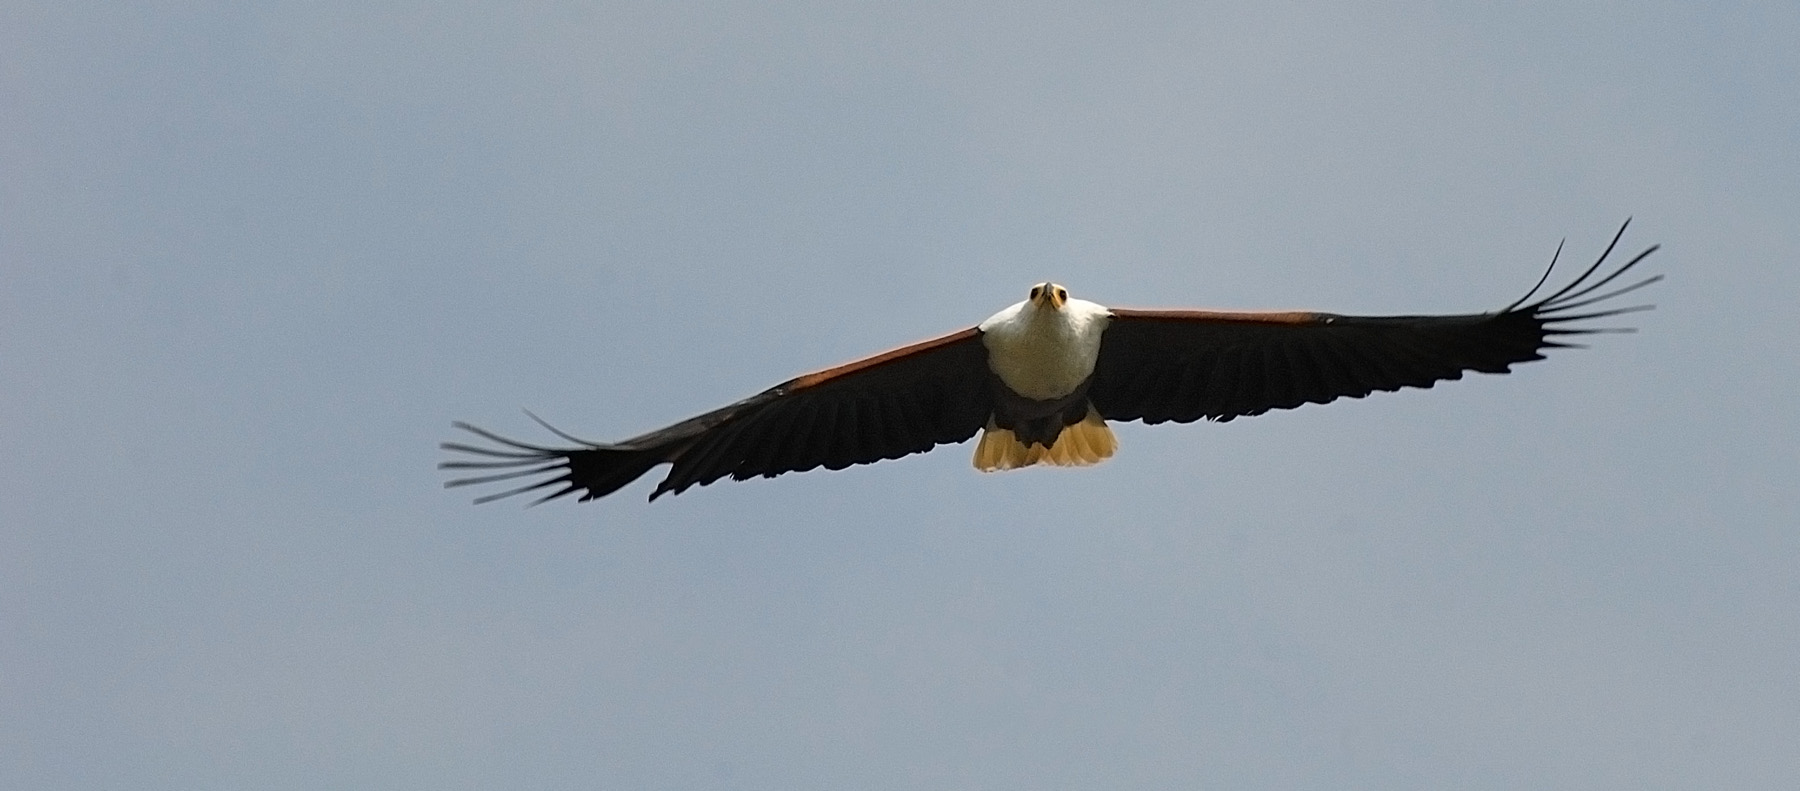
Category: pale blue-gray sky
[254,258]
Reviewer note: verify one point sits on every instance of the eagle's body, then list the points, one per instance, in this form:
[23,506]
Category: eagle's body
[1040,379]
[1041,353]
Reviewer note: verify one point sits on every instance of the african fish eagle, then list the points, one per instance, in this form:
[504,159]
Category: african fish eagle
[1040,379]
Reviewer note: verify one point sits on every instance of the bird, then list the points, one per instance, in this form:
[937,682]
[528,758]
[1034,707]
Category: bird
[1041,380]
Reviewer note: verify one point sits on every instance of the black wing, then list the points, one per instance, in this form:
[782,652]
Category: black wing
[1186,365]
[908,400]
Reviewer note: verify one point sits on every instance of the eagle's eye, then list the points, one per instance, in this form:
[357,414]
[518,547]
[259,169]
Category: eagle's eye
[1036,290]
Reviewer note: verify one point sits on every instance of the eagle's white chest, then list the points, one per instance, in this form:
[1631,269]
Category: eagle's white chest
[1043,353]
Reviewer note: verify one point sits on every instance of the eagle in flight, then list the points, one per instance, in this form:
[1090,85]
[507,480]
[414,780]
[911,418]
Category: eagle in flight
[1040,380]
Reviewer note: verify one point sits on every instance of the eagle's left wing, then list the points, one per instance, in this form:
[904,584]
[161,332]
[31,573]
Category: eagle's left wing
[1185,365]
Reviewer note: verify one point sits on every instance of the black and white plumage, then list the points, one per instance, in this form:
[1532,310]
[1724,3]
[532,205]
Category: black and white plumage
[1040,379]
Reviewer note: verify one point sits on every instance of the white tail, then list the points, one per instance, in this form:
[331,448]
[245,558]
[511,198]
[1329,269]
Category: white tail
[1089,442]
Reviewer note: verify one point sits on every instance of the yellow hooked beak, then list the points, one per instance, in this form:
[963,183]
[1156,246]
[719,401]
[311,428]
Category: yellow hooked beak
[1049,294]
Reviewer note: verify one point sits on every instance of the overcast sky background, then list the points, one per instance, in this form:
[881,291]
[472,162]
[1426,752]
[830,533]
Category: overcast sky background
[254,258]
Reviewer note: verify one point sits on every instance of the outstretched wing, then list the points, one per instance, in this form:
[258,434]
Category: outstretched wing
[1184,365]
[908,400]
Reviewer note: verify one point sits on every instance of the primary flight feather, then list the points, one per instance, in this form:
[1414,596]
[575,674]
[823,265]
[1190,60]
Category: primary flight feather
[1040,379]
